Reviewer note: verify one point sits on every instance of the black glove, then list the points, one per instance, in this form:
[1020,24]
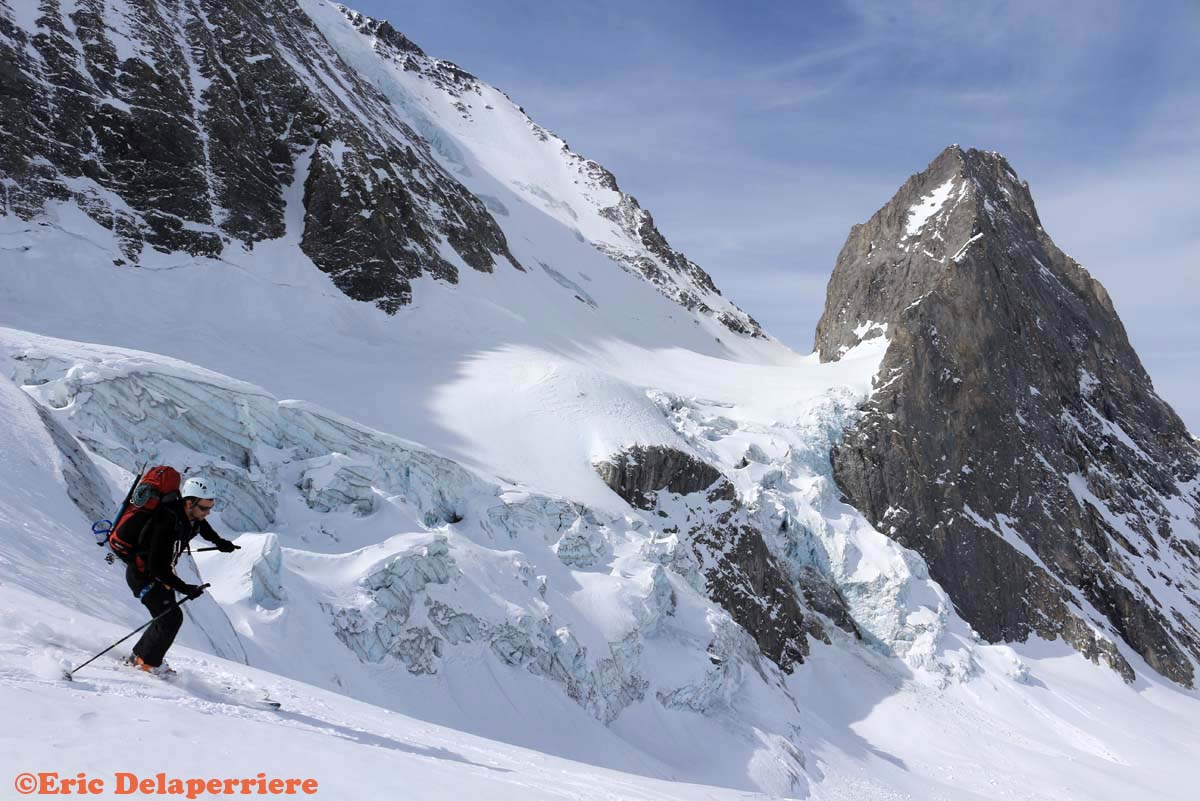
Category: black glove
[191,591]
[225,546]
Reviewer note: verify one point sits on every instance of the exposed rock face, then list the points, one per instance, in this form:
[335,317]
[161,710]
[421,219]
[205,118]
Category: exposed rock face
[181,126]
[640,473]
[1014,438]
[717,542]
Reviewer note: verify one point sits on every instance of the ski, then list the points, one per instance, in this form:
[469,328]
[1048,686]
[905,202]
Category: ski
[228,693]
[219,693]
[240,696]
[269,703]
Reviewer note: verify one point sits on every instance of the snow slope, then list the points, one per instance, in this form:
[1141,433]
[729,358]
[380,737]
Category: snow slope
[916,710]
[993,739]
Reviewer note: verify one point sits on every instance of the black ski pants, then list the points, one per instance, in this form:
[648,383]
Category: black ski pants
[157,638]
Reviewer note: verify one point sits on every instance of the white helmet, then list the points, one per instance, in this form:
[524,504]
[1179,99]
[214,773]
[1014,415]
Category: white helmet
[197,488]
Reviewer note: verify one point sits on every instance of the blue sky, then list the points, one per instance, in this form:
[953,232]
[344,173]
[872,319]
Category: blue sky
[757,133]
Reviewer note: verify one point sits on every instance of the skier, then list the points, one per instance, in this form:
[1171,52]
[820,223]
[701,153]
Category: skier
[161,537]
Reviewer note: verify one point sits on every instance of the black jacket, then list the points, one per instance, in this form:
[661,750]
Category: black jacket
[162,536]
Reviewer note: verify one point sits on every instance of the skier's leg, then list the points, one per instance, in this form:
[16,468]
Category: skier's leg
[159,635]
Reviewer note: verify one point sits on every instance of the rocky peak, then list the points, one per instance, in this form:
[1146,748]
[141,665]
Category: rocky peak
[934,217]
[1014,438]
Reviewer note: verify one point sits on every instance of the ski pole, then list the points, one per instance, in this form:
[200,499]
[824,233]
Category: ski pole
[215,548]
[69,674]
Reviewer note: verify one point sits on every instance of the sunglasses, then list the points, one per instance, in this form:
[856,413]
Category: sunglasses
[204,507]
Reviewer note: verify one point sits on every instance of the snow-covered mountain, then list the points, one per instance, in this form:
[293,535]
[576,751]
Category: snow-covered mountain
[186,127]
[526,507]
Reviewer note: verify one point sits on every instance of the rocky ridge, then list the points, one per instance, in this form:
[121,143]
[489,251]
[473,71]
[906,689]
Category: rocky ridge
[636,245]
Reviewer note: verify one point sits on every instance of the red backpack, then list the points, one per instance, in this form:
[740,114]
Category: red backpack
[159,484]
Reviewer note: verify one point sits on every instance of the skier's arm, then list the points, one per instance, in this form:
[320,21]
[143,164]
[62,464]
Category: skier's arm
[210,534]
